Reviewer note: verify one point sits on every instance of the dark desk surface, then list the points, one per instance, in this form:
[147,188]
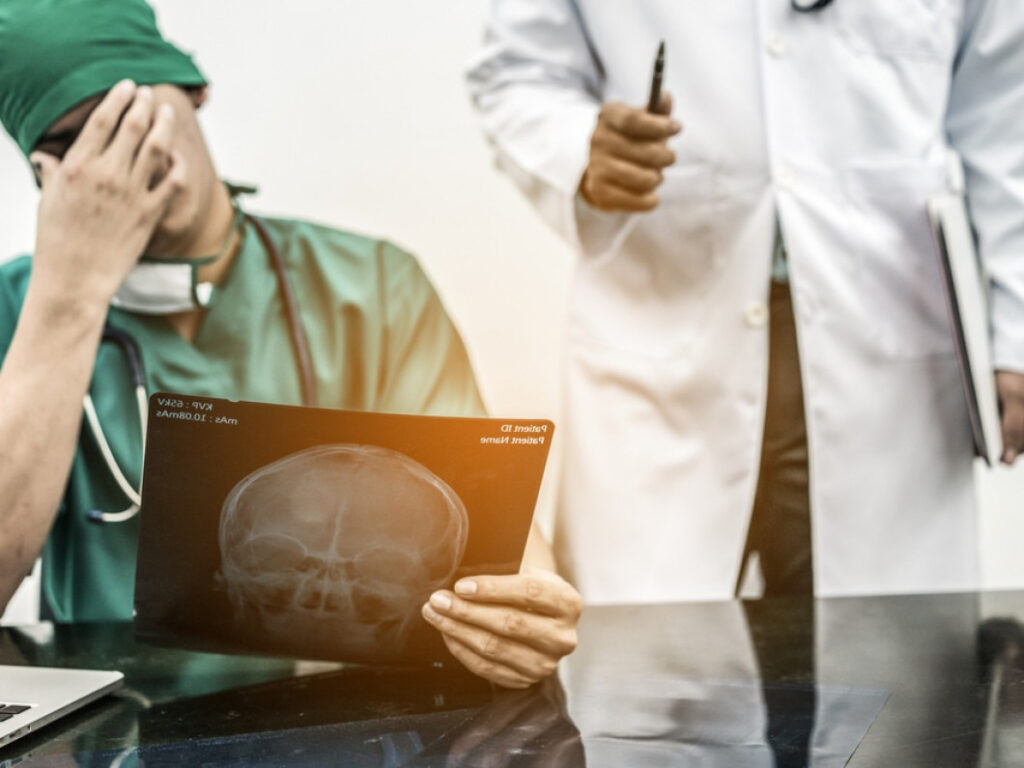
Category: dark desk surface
[905,681]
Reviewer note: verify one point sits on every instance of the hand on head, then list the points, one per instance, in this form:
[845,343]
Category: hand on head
[628,151]
[102,202]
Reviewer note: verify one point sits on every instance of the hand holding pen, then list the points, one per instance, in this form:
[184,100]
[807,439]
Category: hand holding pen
[629,150]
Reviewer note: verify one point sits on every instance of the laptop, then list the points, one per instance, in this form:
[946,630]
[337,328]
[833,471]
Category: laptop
[31,697]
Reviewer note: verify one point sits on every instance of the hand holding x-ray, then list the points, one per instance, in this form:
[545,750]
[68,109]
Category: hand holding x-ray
[511,630]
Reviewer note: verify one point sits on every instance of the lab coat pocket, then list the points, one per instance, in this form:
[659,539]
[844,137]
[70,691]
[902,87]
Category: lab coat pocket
[646,297]
[898,29]
[899,277]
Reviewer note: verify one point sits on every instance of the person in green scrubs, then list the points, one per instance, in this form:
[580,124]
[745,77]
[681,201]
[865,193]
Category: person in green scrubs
[136,231]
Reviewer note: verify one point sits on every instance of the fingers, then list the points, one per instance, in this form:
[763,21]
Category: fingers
[665,107]
[540,591]
[154,157]
[648,154]
[630,177]
[493,648]
[172,182]
[521,624]
[1011,398]
[1013,434]
[486,668]
[134,127]
[45,166]
[553,637]
[607,197]
[628,151]
[102,123]
[638,124]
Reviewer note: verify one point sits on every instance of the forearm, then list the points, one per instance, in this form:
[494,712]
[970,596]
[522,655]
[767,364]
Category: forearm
[537,90]
[42,381]
[538,555]
[100,206]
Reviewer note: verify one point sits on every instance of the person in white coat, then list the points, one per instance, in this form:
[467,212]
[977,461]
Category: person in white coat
[817,135]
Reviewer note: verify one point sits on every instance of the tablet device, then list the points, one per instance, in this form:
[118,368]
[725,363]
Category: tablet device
[967,300]
[314,533]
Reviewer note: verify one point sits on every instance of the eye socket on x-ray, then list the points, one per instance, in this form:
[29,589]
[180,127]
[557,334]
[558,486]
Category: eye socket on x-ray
[385,565]
[270,552]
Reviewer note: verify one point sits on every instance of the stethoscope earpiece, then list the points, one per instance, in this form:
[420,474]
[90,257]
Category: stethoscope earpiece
[95,516]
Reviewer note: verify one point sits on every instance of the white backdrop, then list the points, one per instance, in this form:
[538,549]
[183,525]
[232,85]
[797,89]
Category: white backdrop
[353,113]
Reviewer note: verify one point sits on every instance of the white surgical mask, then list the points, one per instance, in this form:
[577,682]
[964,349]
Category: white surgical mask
[164,286]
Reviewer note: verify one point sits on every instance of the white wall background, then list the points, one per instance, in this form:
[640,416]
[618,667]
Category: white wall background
[353,113]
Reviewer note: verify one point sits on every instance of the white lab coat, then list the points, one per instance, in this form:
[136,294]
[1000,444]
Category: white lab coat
[836,124]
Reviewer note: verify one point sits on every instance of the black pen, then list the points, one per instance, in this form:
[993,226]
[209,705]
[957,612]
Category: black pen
[654,102]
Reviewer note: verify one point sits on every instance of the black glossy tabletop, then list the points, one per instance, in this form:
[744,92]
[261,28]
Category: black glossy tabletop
[886,681]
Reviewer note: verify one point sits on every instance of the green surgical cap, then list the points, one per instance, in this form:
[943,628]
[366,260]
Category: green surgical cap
[55,54]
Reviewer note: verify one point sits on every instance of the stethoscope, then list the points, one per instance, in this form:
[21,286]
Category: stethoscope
[133,356]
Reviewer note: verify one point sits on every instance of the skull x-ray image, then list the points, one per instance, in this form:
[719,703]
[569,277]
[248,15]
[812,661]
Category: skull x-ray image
[313,533]
[340,544]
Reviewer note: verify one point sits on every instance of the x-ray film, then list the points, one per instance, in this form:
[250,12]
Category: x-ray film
[319,534]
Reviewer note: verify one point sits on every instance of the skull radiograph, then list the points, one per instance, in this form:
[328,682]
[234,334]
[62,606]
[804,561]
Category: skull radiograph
[336,547]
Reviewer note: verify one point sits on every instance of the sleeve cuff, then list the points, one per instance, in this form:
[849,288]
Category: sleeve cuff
[597,232]
[1007,330]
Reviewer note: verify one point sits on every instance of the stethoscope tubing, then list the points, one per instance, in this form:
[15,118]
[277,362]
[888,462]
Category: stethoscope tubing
[133,356]
[300,344]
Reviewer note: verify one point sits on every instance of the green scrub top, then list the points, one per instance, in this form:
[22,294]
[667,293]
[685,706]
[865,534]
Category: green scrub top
[379,338]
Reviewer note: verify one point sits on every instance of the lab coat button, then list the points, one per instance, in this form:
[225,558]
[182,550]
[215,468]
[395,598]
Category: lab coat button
[776,46]
[756,315]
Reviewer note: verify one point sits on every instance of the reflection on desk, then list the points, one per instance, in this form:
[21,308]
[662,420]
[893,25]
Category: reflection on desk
[349,716]
[357,718]
[659,688]
[897,681]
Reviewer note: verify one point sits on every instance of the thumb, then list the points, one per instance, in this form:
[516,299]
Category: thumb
[665,107]
[1013,432]
[173,181]
[44,166]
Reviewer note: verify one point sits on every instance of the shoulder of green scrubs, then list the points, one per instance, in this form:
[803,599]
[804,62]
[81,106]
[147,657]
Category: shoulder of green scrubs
[400,352]
[379,338]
